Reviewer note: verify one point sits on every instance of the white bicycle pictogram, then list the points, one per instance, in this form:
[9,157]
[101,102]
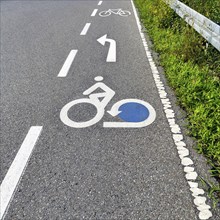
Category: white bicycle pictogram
[118,11]
[135,113]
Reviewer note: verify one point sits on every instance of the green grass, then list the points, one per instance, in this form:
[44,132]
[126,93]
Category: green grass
[210,9]
[192,67]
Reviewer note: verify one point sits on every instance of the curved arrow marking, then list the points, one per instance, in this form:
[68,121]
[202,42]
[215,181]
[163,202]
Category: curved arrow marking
[115,111]
[111,57]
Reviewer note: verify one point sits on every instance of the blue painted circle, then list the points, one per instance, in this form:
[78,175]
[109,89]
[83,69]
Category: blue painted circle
[133,112]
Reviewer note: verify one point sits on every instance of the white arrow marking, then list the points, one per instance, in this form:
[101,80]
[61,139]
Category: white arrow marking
[112,48]
[114,111]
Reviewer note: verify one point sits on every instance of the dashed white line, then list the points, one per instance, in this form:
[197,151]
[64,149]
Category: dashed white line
[100,2]
[94,12]
[14,174]
[66,66]
[85,29]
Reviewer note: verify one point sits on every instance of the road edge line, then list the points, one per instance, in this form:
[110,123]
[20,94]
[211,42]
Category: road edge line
[183,152]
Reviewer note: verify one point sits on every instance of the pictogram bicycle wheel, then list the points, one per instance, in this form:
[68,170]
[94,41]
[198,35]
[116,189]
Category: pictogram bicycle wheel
[69,122]
[124,13]
[104,13]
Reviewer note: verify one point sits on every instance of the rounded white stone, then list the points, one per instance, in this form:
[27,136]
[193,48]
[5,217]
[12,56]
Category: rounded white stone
[188,169]
[199,200]
[156,75]
[162,92]
[163,95]
[187,161]
[155,71]
[181,144]
[177,137]
[156,79]
[166,101]
[203,207]
[166,107]
[205,214]
[171,121]
[193,184]
[169,111]
[183,153]
[161,88]
[170,115]
[181,148]
[158,84]
[197,191]
[175,129]
[175,126]
[191,176]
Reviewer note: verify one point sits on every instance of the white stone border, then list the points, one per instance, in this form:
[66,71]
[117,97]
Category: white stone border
[186,161]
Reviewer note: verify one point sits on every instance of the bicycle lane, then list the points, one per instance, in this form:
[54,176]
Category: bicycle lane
[142,165]
[197,194]
[125,78]
[106,173]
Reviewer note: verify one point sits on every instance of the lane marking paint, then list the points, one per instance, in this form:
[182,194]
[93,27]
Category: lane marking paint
[94,12]
[100,2]
[134,112]
[85,29]
[117,109]
[16,170]
[67,64]
[119,11]
[188,164]
[111,57]
[93,99]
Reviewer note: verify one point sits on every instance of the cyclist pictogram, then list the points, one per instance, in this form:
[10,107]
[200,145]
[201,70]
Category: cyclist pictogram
[134,113]
[118,11]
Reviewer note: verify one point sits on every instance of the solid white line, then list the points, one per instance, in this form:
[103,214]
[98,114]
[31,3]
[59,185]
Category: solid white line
[85,29]
[14,174]
[100,2]
[94,12]
[66,66]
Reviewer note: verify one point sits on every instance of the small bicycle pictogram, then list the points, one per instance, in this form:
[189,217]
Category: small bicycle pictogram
[118,11]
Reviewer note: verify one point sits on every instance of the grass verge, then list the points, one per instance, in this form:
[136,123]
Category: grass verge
[192,67]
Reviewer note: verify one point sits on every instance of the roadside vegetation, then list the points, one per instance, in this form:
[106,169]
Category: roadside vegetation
[210,9]
[192,67]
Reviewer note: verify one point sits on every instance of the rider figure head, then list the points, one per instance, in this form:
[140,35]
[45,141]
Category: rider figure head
[98,78]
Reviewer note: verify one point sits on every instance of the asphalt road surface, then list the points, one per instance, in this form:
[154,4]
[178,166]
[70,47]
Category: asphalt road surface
[63,161]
